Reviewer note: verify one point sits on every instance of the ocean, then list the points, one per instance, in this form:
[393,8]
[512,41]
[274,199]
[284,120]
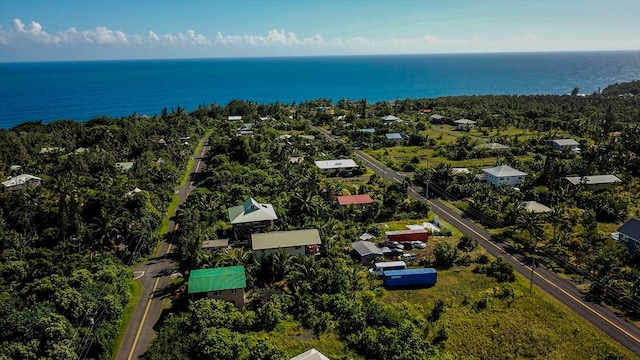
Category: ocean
[81,91]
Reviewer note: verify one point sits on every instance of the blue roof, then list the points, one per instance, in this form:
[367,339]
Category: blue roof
[631,228]
[410,272]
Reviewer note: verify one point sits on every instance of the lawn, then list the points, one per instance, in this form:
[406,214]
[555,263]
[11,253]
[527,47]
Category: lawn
[136,291]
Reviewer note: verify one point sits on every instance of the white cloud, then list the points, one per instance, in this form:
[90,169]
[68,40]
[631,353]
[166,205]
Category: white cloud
[273,37]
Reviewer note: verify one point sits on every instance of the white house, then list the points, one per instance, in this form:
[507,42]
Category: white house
[562,144]
[504,174]
[465,124]
[21,182]
[295,242]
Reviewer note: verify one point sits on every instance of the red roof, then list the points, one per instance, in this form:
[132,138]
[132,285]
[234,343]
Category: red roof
[354,199]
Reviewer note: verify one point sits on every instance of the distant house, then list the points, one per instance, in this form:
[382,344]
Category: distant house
[365,251]
[224,283]
[251,216]
[367,237]
[595,181]
[465,124]
[354,199]
[22,182]
[162,143]
[312,354]
[125,165]
[563,144]
[629,234]
[535,207]
[47,150]
[394,137]
[389,119]
[215,244]
[14,169]
[245,130]
[438,119]
[295,242]
[235,118]
[504,174]
[133,192]
[368,130]
[459,171]
[336,164]
[296,159]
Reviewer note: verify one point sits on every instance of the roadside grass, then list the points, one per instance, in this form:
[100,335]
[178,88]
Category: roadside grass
[136,292]
[481,323]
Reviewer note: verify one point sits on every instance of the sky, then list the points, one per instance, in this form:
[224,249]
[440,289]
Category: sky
[70,30]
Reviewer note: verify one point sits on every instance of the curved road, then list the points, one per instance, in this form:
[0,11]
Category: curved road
[563,290]
[155,276]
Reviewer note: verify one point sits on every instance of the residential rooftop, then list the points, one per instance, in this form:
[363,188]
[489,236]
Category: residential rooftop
[284,239]
[503,171]
[594,179]
[216,279]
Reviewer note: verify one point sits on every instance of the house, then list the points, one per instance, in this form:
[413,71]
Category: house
[367,237]
[394,137]
[22,182]
[354,199]
[595,181]
[336,164]
[251,216]
[504,174]
[133,192]
[365,251]
[295,242]
[389,119]
[459,171]
[245,130]
[535,207]
[224,283]
[629,234]
[312,354]
[296,159]
[564,144]
[14,169]
[125,165]
[47,150]
[162,143]
[438,119]
[235,118]
[465,124]
[368,130]
[215,244]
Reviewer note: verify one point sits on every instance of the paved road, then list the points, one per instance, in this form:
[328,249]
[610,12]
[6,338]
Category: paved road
[563,290]
[157,273]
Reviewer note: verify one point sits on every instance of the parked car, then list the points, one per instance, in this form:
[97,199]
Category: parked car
[409,257]
[396,245]
[418,244]
[408,245]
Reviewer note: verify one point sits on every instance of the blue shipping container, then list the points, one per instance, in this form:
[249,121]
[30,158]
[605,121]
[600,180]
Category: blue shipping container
[410,277]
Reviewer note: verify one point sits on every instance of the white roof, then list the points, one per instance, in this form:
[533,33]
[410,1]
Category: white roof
[336,164]
[235,118]
[565,142]
[464,121]
[19,180]
[312,354]
[457,171]
[594,180]
[535,207]
[504,170]
[390,118]
[251,211]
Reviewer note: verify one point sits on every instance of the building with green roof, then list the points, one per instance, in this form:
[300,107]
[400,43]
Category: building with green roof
[225,283]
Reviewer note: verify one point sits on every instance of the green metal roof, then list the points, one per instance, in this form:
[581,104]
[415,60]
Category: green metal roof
[222,278]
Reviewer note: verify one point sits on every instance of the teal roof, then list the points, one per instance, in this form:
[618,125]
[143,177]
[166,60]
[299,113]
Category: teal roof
[214,279]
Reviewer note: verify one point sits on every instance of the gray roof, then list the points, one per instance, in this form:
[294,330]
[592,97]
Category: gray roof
[535,207]
[393,136]
[251,211]
[284,239]
[437,117]
[594,180]
[212,244]
[464,121]
[312,354]
[504,170]
[390,118]
[565,142]
[368,130]
[631,229]
[364,248]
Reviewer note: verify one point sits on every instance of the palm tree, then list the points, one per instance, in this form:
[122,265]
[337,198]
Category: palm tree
[534,225]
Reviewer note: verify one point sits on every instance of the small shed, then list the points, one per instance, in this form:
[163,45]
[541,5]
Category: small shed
[365,251]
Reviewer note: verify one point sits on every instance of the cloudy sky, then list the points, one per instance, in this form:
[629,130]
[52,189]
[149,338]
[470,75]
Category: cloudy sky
[141,29]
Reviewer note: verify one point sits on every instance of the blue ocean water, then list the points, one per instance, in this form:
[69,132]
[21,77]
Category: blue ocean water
[80,91]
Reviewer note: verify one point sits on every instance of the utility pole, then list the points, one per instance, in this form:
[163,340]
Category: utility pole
[533,267]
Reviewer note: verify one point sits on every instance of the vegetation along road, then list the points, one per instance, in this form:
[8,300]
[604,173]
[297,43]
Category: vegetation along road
[563,290]
[156,274]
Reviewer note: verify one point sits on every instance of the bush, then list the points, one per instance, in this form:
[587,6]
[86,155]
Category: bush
[467,243]
[445,255]
[482,259]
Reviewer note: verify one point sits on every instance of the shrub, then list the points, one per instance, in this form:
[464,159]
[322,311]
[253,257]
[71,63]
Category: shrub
[445,255]
[467,243]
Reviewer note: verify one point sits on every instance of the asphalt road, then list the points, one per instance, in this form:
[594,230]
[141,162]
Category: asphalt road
[563,290]
[155,279]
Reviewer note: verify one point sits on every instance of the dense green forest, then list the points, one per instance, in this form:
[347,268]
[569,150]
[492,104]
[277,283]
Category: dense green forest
[67,244]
